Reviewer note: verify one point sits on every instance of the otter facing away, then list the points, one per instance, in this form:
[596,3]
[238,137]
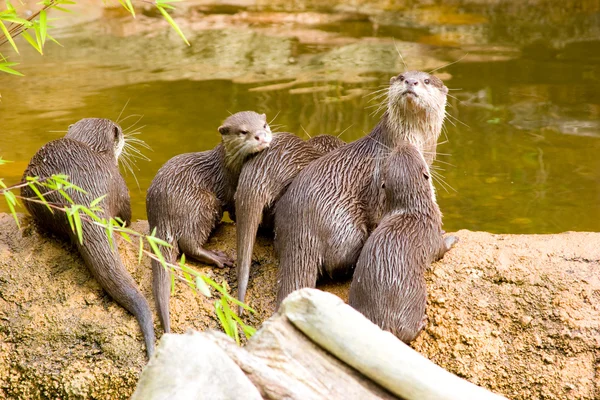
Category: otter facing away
[88,155]
[191,191]
[388,285]
[327,213]
[262,182]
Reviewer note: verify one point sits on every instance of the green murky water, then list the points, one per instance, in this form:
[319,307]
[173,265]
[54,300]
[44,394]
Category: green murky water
[522,153]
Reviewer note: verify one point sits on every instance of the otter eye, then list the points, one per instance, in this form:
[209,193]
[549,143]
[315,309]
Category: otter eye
[116,132]
[265,127]
[426,176]
[426,81]
[244,132]
[401,78]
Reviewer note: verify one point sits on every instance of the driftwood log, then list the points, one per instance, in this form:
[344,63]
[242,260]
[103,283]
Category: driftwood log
[315,347]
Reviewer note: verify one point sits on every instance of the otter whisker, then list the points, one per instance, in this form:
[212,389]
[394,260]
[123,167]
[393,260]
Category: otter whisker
[136,153]
[137,141]
[123,109]
[440,179]
[400,54]
[305,131]
[58,131]
[457,120]
[127,164]
[447,65]
[342,132]
[131,127]
[380,143]
[130,116]
[270,122]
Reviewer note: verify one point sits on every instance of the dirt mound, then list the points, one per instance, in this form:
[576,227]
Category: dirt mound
[519,314]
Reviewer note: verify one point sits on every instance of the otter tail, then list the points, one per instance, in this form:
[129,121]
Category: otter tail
[161,284]
[249,211]
[106,266]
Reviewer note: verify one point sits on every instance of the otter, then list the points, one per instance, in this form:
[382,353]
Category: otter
[191,191]
[262,182]
[88,154]
[388,285]
[325,216]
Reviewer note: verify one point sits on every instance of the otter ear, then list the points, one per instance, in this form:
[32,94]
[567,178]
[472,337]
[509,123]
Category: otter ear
[393,79]
[223,130]
[264,116]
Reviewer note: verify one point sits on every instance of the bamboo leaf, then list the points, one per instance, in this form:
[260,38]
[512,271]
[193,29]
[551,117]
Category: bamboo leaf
[32,185]
[11,200]
[78,228]
[8,36]
[97,201]
[43,26]
[32,42]
[8,70]
[172,22]
[172,276]
[203,287]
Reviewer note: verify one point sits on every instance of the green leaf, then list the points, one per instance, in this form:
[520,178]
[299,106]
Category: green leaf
[78,228]
[4,68]
[223,319]
[32,185]
[95,202]
[8,36]
[66,196]
[203,287]
[11,200]
[43,26]
[228,317]
[125,236]
[54,40]
[172,22]
[221,290]
[32,42]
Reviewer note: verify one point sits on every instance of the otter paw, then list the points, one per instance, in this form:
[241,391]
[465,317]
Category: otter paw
[223,260]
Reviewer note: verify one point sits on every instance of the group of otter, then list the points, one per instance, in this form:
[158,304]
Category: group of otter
[367,206]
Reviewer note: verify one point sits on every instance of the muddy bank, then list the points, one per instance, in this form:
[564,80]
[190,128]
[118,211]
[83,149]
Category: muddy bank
[518,314]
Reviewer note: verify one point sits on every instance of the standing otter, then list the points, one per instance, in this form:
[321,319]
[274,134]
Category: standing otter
[88,155]
[187,197]
[324,218]
[388,285]
[262,182]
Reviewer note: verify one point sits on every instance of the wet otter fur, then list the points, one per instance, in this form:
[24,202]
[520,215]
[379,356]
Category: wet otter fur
[325,143]
[326,215]
[262,182]
[191,191]
[88,154]
[388,285]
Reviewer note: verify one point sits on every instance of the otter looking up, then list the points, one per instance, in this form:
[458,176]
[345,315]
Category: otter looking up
[324,218]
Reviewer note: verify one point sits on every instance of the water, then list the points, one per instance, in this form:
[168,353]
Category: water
[520,151]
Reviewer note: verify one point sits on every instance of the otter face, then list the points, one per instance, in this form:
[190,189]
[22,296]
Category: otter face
[416,91]
[246,133]
[101,135]
[406,179]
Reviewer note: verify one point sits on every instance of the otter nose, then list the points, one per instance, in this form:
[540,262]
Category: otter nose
[263,137]
[411,82]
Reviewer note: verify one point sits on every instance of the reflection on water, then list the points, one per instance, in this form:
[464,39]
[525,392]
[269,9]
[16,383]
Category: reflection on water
[523,138]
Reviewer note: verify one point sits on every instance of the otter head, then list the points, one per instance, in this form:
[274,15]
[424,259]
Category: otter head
[101,135]
[406,180]
[243,134]
[416,92]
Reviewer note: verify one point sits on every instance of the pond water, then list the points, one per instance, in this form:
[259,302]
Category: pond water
[521,149]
